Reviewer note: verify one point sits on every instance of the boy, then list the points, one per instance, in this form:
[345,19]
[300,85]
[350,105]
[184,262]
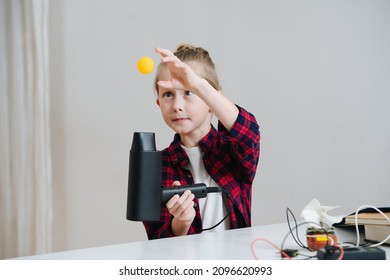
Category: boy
[188,94]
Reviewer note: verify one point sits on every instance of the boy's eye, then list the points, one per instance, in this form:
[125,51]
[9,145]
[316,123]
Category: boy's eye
[188,93]
[167,94]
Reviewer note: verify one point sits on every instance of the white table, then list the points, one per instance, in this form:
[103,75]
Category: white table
[230,244]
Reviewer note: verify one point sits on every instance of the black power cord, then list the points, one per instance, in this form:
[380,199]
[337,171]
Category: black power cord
[214,190]
[297,239]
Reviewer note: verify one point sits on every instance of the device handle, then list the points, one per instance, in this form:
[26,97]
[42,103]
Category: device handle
[199,190]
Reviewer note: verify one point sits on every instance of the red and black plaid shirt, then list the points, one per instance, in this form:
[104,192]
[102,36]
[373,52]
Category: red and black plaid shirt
[230,158]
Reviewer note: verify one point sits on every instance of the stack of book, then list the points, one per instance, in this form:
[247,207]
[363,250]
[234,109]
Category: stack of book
[376,226]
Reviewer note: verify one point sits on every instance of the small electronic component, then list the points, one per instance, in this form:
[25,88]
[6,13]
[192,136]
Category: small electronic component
[290,252]
[318,238]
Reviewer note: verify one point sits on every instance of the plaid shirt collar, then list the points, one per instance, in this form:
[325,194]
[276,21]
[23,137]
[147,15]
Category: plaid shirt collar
[179,156]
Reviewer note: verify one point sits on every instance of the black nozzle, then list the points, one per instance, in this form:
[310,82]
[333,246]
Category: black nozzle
[143,141]
[144,185]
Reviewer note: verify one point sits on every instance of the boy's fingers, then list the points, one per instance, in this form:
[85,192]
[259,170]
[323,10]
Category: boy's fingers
[176,183]
[165,84]
[164,52]
[187,212]
[172,201]
[182,204]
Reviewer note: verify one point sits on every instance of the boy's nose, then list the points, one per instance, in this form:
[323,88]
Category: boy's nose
[178,104]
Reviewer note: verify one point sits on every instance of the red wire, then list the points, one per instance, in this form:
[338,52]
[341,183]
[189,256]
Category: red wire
[341,251]
[269,242]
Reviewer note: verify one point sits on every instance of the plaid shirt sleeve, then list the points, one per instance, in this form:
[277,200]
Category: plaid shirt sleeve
[245,142]
[237,165]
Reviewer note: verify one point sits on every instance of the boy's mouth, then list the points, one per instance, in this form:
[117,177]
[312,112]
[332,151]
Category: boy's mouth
[180,119]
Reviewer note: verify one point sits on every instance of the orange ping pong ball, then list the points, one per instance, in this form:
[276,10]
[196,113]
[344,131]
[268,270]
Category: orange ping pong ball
[145,65]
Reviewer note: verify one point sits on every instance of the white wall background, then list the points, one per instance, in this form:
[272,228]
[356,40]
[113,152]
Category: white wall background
[315,73]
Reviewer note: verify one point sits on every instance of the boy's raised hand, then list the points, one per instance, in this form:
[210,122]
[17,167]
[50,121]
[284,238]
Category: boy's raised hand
[182,76]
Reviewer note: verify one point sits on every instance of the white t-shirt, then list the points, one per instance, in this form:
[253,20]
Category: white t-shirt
[212,207]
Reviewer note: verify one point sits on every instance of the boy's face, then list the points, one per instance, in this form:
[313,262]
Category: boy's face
[183,111]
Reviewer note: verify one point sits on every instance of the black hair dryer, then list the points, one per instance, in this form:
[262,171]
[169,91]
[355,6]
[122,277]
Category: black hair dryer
[145,192]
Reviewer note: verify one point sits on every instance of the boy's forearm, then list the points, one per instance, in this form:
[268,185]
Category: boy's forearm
[224,109]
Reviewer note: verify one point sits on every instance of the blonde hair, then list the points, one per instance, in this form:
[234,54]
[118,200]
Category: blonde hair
[189,53]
